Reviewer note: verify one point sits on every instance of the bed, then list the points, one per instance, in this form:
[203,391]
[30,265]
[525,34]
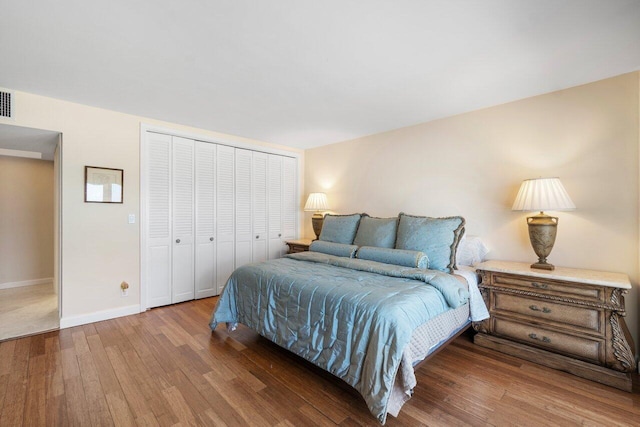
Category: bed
[366,322]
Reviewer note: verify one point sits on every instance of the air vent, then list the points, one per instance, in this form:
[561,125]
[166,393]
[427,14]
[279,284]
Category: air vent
[5,104]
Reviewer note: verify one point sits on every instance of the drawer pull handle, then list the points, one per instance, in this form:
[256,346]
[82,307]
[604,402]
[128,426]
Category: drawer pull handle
[543,309]
[539,285]
[543,339]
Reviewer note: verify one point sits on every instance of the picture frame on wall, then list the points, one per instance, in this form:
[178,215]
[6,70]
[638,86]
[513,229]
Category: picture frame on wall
[103,185]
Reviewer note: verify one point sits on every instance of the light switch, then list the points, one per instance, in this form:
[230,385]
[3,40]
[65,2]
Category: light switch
[132,218]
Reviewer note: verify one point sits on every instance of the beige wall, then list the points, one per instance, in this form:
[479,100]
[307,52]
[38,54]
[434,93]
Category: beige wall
[99,248]
[26,219]
[473,164]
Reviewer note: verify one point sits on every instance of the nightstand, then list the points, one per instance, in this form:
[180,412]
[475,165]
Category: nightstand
[567,319]
[299,245]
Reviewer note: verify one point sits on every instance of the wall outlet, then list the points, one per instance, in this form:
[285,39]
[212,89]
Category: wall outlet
[132,218]
[124,287]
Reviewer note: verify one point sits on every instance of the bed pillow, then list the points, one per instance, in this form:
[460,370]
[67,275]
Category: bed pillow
[436,237]
[401,257]
[471,251]
[378,232]
[330,248]
[339,228]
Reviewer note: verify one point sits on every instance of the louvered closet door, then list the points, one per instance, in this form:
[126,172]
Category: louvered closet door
[289,199]
[225,200]
[274,174]
[259,205]
[158,219]
[243,207]
[205,182]
[183,220]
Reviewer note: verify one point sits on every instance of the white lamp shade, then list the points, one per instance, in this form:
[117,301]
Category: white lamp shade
[317,202]
[543,194]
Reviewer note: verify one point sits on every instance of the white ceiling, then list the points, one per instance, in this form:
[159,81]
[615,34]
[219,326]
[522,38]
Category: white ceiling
[307,73]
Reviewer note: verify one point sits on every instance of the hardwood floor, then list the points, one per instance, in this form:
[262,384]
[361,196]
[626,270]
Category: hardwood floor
[164,367]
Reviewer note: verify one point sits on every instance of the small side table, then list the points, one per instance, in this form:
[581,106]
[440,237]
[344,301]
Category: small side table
[299,245]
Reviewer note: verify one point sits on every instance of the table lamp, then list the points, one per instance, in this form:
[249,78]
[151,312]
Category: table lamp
[542,194]
[317,202]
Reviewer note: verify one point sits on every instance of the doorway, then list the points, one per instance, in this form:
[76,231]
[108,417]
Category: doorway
[30,286]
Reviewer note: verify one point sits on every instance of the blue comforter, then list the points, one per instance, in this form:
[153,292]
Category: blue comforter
[350,317]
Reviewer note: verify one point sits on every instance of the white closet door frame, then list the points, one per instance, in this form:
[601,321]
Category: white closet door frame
[274,175]
[205,209]
[225,214]
[289,198]
[243,207]
[183,229]
[259,206]
[157,248]
[144,187]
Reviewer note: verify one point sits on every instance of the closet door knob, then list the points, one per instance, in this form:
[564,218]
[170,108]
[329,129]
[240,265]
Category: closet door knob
[211,239]
[279,234]
[177,240]
[257,237]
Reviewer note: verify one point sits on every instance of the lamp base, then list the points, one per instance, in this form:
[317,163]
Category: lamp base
[316,221]
[543,266]
[542,233]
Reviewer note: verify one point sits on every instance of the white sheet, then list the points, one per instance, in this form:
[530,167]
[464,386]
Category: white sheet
[476,303]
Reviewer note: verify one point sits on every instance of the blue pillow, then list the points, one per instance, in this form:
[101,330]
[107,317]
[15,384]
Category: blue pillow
[394,256]
[330,248]
[436,237]
[378,232]
[339,228]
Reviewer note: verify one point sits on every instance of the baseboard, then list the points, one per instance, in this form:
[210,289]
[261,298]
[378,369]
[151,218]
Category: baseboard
[32,282]
[98,316]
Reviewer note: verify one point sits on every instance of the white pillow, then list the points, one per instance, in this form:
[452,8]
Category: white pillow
[471,251]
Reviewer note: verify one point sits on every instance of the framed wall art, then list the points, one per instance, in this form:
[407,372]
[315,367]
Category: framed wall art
[103,185]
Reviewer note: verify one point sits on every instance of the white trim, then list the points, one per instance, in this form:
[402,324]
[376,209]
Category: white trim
[59,224]
[32,282]
[20,153]
[142,221]
[98,316]
[300,211]
[144,127]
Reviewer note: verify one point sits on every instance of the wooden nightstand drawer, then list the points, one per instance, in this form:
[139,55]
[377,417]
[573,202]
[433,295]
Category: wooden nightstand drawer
[550,287]
[580,347]
[547,311]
